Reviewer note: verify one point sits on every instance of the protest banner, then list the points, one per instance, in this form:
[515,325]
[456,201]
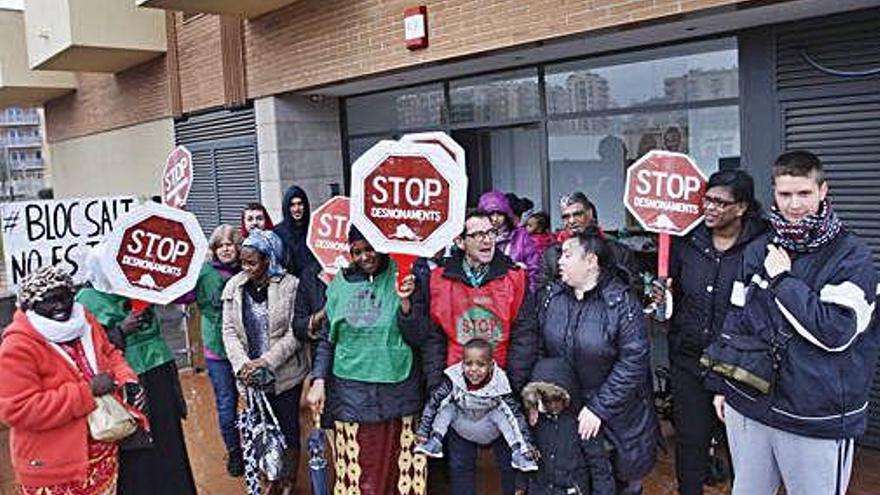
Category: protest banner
[56,232]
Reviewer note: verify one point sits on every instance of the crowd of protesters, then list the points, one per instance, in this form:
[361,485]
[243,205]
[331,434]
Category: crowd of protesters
[532,343]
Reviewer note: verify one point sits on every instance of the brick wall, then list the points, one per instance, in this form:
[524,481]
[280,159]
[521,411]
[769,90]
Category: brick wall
[104,102]
[110,101]
[201,69]
[315,42]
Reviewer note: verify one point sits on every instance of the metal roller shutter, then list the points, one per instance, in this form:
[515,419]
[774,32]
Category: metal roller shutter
[225,167]
[828,82]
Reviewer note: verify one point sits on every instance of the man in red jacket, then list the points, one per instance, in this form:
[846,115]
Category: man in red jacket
[480,292]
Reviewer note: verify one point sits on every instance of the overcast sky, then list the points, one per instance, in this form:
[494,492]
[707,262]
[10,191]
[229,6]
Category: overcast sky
[11,4]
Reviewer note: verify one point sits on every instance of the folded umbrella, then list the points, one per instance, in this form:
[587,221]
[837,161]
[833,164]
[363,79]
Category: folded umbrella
[318,474]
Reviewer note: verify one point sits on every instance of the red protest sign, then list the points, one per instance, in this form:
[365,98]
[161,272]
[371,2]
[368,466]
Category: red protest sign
[664,191]
[177,177]
[408,197]
[155,254]
[328,234]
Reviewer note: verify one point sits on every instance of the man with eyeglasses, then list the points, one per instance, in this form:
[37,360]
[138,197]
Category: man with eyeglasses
[479,292]
[578,212]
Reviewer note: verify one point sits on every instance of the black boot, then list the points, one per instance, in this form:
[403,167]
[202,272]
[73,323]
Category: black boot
[235,463]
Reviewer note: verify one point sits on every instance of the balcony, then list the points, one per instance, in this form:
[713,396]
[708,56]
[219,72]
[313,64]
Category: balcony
[92,35]
[19,85]
[24,118]
[29,164]
[244,8]
[21,141]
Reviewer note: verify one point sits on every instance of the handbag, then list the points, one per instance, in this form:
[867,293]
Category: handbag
[745,359]
[268,440]
[110,421]
[752,360]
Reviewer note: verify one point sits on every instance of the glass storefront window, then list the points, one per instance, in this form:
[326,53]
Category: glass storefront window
[601,115]
[357,146]
[592,154]
[595,85]
[409,108]
[516,155]
[495,98]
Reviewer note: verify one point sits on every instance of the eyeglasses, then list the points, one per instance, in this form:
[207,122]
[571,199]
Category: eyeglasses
[717,202]
[480,236]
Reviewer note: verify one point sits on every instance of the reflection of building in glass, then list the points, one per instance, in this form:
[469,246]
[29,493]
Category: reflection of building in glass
[699,84]
[418,109]
[581,91]
[21,153]
[499,101]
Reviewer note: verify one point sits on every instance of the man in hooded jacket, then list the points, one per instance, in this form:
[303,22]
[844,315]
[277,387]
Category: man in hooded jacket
[294,229]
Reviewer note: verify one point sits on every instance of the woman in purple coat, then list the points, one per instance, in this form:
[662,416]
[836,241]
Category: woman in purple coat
[512,239]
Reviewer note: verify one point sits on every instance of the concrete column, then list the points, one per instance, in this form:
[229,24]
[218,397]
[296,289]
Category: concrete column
[299,143]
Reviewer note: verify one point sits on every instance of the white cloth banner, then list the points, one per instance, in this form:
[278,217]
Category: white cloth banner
[56,232]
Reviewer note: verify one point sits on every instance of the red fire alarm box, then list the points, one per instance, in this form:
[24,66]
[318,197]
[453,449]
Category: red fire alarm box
[415,26]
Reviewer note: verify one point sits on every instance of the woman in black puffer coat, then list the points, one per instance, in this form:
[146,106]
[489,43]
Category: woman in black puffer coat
[590,318]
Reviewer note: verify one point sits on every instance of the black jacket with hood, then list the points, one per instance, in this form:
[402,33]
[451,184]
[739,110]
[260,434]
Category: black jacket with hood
[297,256]
[702,279]
[605,335]
[356,401]
[563,461]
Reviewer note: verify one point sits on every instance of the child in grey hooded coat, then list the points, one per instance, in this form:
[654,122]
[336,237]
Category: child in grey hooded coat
[476,400]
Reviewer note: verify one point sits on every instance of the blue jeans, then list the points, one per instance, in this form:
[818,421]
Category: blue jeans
[463,465]
[226,397]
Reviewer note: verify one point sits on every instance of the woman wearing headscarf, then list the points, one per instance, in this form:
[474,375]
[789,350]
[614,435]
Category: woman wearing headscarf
[366,369]
[54,361]
[511,238]
[156,462]
[259,338]
[591,319]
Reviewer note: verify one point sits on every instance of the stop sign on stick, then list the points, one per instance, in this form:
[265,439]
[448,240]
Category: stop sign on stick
[408,198]
[177,177]
[664,191]
[155,254]
[328,234]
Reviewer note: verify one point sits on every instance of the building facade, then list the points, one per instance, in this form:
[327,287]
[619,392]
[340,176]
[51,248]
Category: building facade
[22,156]
[545,96]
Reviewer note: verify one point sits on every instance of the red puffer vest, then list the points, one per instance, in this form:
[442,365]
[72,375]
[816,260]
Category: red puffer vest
[488,311]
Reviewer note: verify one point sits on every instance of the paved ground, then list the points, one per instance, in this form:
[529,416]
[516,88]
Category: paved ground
[206,455]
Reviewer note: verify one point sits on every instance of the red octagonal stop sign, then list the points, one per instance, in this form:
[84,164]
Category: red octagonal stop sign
[177,177]
[155,254]
[328,234]
[664,191]
[408,197]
